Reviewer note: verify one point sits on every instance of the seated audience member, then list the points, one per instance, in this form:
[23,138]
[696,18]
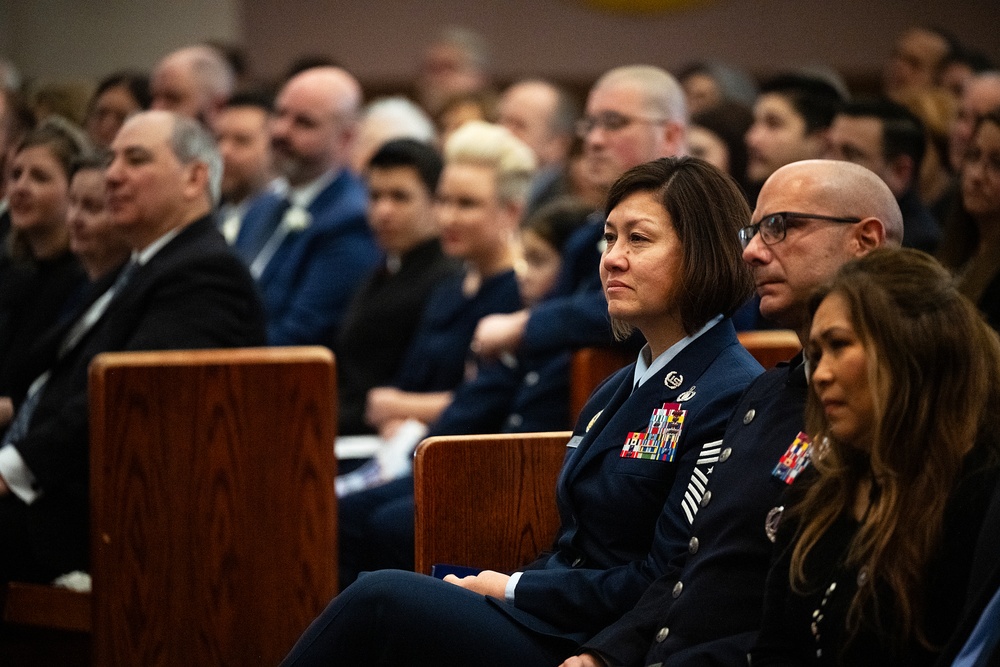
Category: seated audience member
[194,81]
[791,119]
[182,289]
[386,119]
[889,140]
[117,97]
[44,276]
[634,114]
[875,546]
[708,84]
[241,131]
[705,608]
[479,202]
[716,136]
[383,316]
[99,245]
[628,490]
[457,61]
[980,96]
[543,116]
[959,67]
[971,243]
[309,250]
[916,61]
[511,395]
[524,393]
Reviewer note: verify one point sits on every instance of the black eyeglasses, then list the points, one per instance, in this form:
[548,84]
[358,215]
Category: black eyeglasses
[773,227]
[610,121]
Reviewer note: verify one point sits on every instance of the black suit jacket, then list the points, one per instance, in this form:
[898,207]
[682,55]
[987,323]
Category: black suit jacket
[379,325]
[193,293]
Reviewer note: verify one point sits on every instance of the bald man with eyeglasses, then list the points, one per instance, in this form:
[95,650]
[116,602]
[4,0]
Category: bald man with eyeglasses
[811,218]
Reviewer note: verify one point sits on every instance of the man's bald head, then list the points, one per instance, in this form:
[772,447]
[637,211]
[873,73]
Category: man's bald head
[843,186]
[833,211]
[194,81]
[315,122]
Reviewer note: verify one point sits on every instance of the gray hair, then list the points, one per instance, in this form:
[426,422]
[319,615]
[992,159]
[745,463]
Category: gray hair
[404,117]
[191,142]
[664,97]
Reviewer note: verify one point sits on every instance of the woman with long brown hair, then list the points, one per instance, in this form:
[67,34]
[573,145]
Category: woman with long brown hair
[971,242]
[874,553]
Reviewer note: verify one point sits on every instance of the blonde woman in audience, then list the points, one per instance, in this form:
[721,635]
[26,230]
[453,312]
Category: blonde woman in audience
[875,547]
[479,201]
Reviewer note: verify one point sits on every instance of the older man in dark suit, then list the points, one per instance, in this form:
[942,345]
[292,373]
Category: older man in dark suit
[181,289]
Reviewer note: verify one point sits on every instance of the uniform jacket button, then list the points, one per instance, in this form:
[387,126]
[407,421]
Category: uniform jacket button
[706,499]
[662,634]
[748,417]
[693,545]
[678,588]
[726,453]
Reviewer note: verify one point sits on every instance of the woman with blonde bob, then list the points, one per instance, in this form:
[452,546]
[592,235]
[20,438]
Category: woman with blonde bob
[874,552]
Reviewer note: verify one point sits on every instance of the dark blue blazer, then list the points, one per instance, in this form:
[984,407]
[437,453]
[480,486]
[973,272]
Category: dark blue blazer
[623,520]
[715,618]
[308,284]
[529,395]
[436,357]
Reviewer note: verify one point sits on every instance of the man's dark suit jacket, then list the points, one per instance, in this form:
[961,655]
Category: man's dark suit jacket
[193,293]
[379,326]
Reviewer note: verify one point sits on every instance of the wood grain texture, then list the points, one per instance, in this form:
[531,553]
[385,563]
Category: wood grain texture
[770,346]
[46,606]
[588,368]
[213,512]
[486,501]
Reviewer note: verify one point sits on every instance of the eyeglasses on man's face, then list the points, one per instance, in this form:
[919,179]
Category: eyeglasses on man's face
[774,227]
[610,121]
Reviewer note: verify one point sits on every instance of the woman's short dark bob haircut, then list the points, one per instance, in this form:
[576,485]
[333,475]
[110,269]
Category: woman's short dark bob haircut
[707,209]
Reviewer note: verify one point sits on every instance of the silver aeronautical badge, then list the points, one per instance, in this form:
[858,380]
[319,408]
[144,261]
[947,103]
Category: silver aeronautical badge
[772,521]
[687,395]
[673,380]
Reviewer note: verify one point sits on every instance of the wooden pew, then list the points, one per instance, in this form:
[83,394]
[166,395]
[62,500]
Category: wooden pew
[770,346]
[212,506]
[588,367]
[486,501]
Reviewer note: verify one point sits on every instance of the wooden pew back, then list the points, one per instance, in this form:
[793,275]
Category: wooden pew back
[213,512]
[486,501]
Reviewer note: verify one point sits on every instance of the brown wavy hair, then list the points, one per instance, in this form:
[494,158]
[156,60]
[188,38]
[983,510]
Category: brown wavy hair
[926,345]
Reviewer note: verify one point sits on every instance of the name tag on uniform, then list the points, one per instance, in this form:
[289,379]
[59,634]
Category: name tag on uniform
[794,460]
[574,442]
[659,441]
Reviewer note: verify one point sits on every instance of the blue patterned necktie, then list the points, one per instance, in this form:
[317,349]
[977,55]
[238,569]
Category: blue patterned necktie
[19,426]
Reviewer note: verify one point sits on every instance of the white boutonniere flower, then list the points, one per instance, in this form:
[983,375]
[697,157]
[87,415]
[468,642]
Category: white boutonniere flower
[296,219]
